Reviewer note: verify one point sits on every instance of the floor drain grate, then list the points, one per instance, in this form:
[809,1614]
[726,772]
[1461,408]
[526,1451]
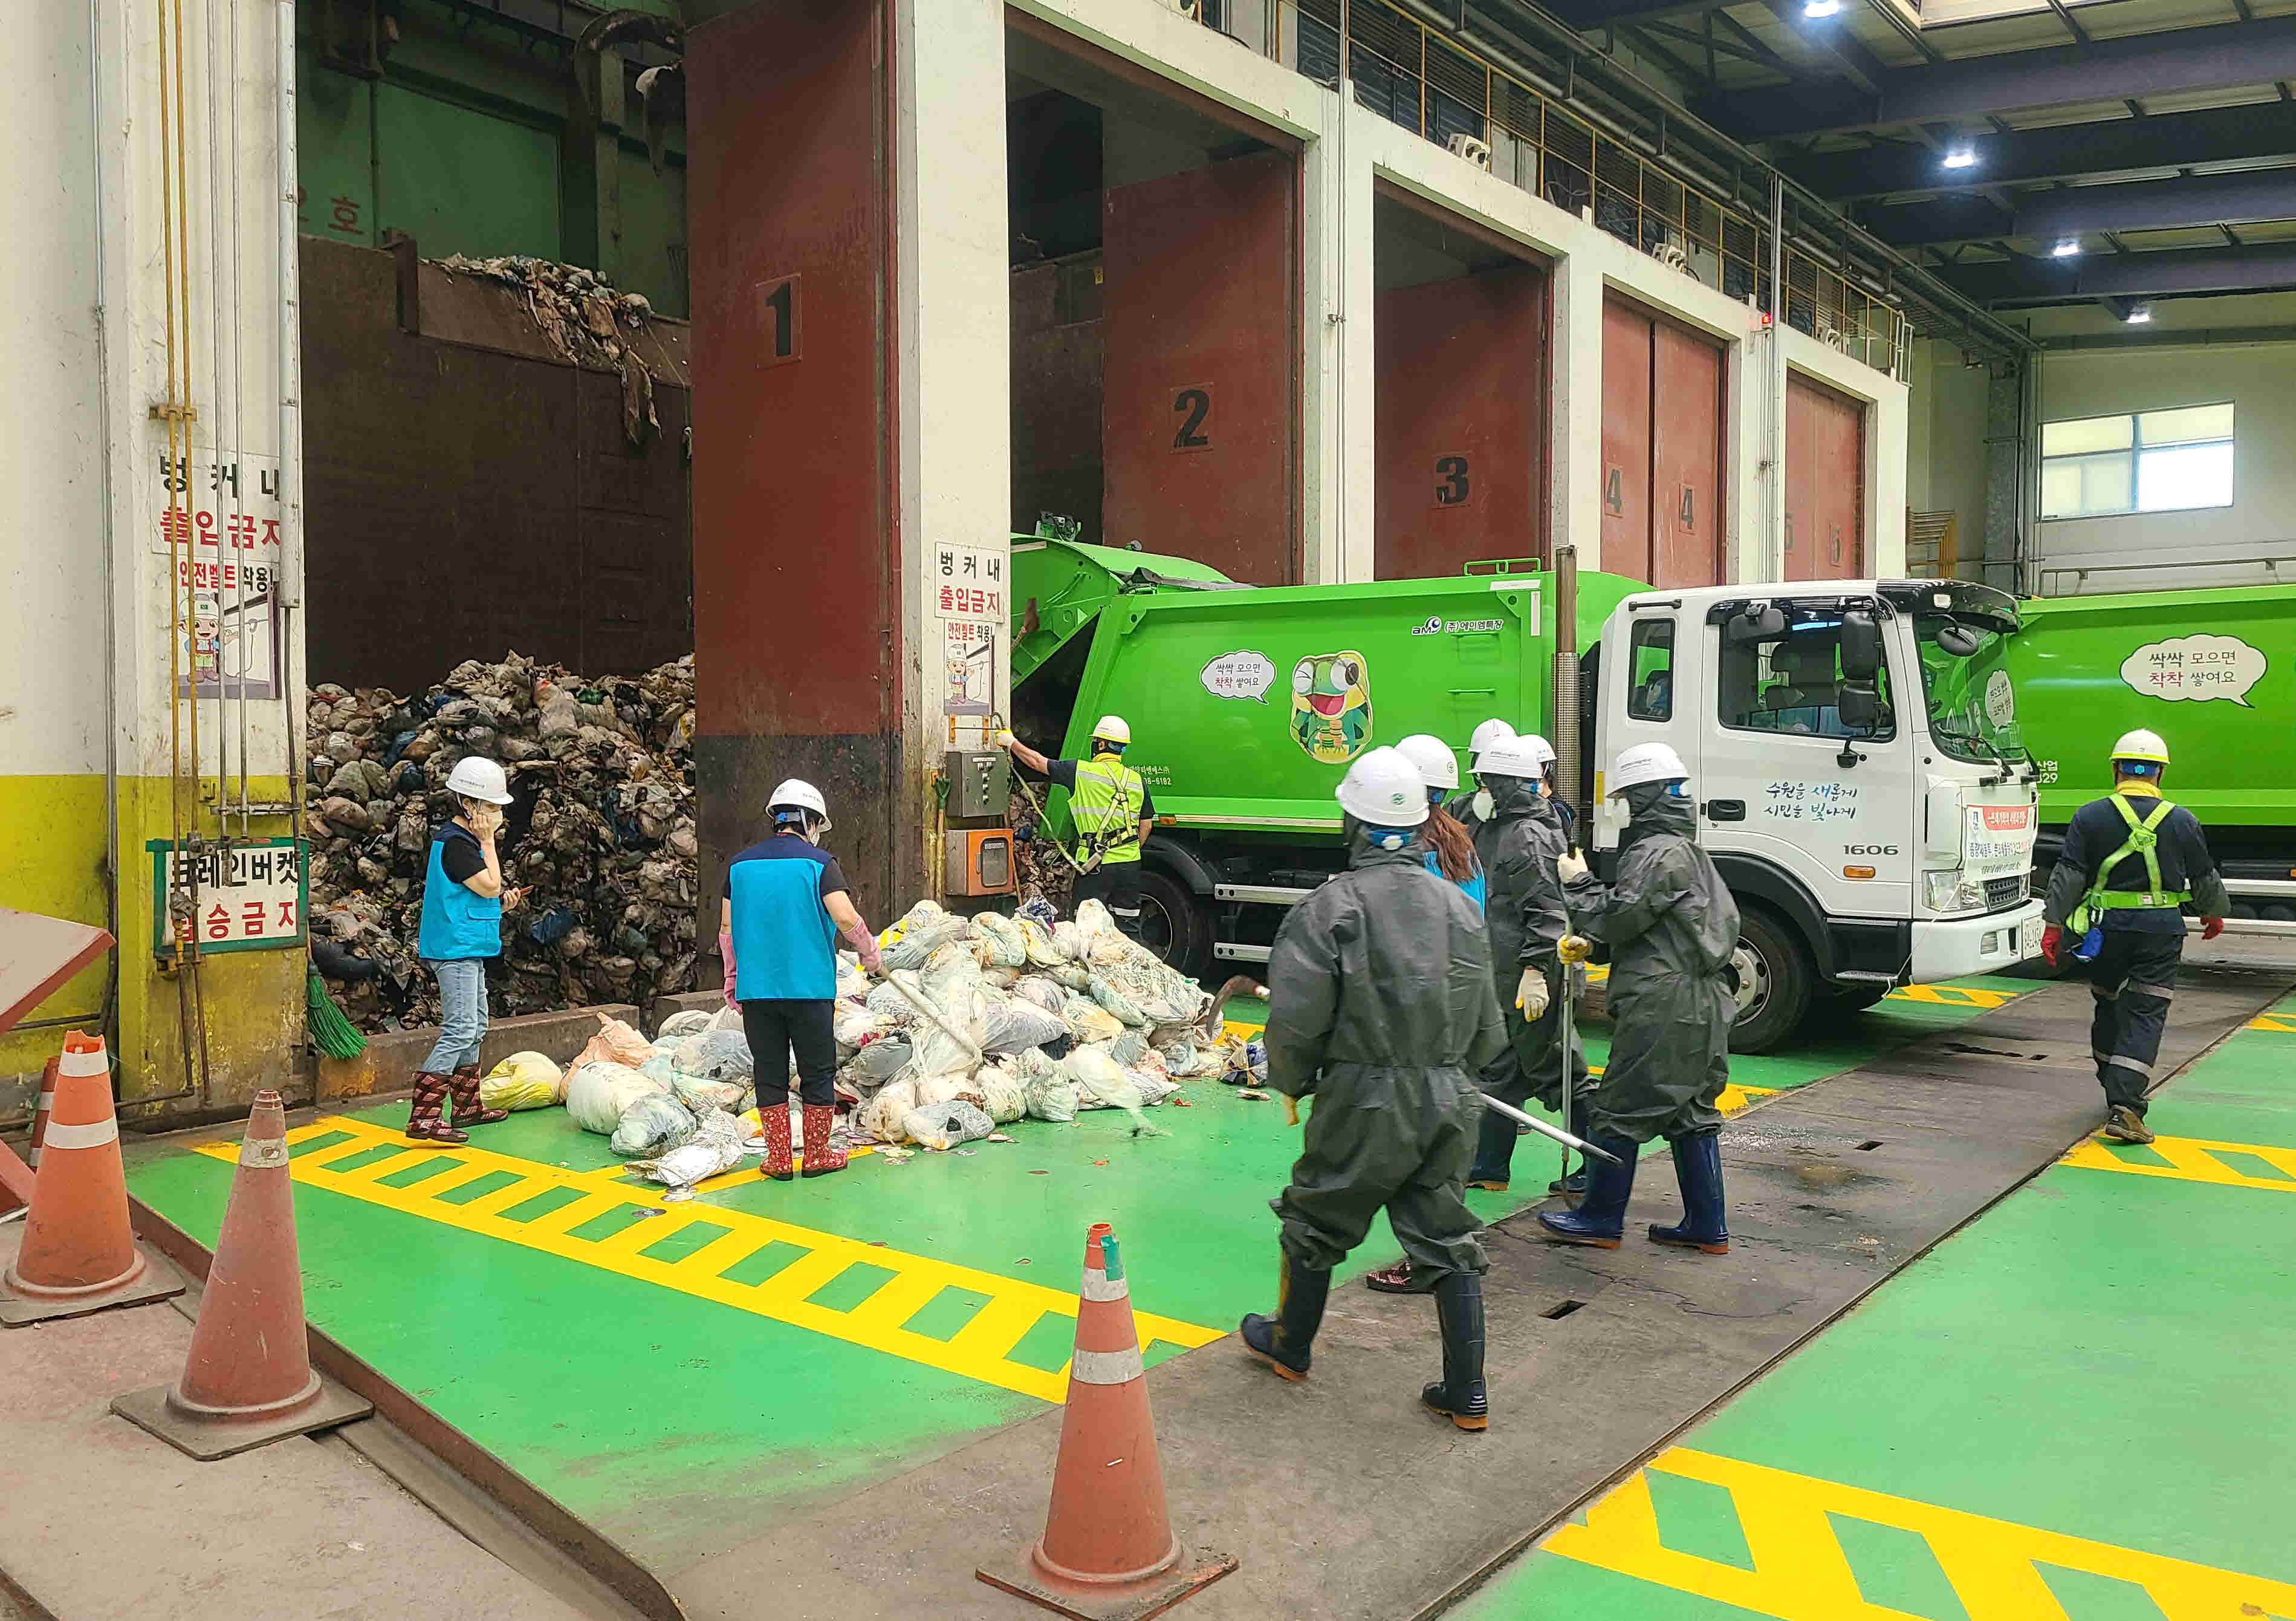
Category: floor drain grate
[1868,1147]
[1556,1313]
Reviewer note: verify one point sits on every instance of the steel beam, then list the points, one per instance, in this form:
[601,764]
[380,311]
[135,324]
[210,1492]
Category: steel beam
[2257,267]
[2068,152]
[2244,198]
[2225,56]
[1830,38]
[1588,16]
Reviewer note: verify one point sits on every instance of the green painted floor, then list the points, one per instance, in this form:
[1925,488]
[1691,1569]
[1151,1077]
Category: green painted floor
[678,1426]
[2103,1356]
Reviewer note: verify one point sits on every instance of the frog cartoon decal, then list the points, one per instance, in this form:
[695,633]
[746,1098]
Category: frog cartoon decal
[1331,706]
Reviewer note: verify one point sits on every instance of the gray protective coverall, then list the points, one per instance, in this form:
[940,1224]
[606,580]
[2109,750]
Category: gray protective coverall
[1381,1005]
[1525,912]
[1670,923]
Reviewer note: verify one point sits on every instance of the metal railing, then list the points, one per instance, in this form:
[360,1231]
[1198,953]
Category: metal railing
[1442,91]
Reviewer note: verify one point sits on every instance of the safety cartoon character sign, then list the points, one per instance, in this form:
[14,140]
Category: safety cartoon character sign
[1331,705]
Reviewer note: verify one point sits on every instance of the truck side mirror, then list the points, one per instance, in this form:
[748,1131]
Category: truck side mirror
[1861,647]
[1766,624]
[1959,640]
[1861,705]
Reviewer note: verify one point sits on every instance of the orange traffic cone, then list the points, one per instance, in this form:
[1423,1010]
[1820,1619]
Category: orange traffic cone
[1108,1549]
[78,1255]
[249,1378]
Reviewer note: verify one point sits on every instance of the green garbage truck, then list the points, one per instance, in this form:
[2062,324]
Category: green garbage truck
[2212,671]
[1845,740]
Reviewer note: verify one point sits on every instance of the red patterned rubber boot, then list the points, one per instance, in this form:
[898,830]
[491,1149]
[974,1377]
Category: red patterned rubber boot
[775,1122]
[820,1157]
[425,1121]
[468,1110]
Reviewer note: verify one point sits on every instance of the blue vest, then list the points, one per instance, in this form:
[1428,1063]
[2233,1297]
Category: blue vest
[456,924]
[1476,888]
[783,940]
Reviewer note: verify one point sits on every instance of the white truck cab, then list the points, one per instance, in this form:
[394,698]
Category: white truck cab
[1860,781]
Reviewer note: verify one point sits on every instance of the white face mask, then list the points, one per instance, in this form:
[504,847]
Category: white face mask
[1483,806]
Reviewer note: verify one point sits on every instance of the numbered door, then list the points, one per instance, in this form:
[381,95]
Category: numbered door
[1199,384]
[1460,422]
[1661,491]
[1825,483]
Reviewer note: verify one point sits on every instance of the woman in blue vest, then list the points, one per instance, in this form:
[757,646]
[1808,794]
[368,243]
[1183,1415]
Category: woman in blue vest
[464,898]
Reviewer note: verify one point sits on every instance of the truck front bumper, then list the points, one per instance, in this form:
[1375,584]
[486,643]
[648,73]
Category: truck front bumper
[1946,948]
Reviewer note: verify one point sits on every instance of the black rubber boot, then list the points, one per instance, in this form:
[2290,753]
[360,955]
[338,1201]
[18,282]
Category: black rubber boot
[1698,1168]
[1459,1308]
[1573,1186]
[1600,1218]
[1283,1341]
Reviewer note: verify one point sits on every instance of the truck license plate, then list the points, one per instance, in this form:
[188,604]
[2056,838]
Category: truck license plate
[2028,939]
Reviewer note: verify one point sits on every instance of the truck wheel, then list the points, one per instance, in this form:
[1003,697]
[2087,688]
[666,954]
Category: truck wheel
[1774,980]
[1173,925]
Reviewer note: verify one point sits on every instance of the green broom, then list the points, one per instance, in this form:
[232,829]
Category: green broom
[336,1036]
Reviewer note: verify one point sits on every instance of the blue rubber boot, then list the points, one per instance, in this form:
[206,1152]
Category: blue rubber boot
[1698,1168]
[1600,1218]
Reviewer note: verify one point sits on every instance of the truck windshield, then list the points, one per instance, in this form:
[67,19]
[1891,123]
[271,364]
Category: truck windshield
[1971,698]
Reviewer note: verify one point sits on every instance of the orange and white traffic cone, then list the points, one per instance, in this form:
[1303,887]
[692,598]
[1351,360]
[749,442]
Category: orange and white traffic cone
[78,1255]
[1108,1550]
[249,1378]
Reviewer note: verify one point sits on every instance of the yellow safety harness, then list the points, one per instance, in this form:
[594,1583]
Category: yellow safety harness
[1105,804]
[2143,839]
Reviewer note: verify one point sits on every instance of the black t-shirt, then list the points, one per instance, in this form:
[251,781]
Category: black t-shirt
[462,858]
[1063,773]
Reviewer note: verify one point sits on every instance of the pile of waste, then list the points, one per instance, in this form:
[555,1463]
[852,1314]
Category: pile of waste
[600,834]
[977,1023]
[584,318]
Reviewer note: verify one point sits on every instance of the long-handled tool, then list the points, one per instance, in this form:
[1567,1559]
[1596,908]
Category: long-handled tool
[1572,952]
[1539,1125]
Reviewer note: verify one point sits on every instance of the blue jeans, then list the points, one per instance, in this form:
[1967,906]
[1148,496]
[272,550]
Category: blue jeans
[462,1013]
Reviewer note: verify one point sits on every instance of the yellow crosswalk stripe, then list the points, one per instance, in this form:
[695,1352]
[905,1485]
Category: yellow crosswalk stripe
[1800,1572]
[2190,1159]
[980,1350]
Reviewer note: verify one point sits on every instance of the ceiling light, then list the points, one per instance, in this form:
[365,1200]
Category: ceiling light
[2066,249]
[1960,157]
[2138,314]
[1820,8]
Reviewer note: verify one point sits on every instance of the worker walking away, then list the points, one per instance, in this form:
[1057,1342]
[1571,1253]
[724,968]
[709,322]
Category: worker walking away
[464,899]
[1671,926]
[2129,861]
[1449,849]
[785,904]
[1110,806]
[1382,1008]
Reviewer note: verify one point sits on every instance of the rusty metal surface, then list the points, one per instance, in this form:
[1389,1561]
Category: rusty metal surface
[1059,349]
[1626,487]
[1686,517]
[1201,408]
[796,519]
[472,493]
[1460,420]
[1825,482]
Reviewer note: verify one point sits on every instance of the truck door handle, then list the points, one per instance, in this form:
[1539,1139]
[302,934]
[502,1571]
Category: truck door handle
[1726,809]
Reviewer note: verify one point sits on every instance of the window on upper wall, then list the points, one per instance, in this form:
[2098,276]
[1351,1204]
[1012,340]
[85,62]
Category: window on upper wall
[2149,461]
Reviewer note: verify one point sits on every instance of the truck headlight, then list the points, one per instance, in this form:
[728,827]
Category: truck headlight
[1950,892]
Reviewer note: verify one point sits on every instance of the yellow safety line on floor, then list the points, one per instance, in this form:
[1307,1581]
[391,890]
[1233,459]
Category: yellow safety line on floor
[980,1350]
[1735,1097]
[1954,996]
[2190,1159]
[2284,1023]
[1801,1573]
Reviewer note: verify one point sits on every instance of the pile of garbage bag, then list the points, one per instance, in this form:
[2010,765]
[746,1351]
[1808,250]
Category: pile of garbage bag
[601,833]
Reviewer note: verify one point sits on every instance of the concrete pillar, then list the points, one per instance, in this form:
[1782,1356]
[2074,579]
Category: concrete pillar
[1338,438]
[1576,445]
[153,705]
[851,383]
[2004,474]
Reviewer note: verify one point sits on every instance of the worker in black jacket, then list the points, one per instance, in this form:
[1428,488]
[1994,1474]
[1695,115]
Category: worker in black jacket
[2129,862]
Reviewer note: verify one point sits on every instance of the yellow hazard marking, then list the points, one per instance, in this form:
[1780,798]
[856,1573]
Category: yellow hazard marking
[2283,1024]
[1801,1573]
[1954,996]
[979,1350]
[2190,1159]
[1735,1097]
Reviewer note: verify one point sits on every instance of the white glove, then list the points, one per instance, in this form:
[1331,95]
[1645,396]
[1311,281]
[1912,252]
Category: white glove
[1570,865]
[1005,740]
[1530,995]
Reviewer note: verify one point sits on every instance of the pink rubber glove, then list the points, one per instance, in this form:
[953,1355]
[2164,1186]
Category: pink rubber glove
[725,954]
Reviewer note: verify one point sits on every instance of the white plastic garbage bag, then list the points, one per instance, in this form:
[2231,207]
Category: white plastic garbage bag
[597,1095]
[1014,1025]
[717,1055]
[678,1027]
[653,1124]
[715,1148]
[1004,945]
[944,1125]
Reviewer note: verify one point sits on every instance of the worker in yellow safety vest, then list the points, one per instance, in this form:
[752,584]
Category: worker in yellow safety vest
[1110,806]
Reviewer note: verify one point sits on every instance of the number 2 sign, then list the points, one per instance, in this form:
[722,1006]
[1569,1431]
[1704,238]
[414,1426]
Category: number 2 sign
[1191,419]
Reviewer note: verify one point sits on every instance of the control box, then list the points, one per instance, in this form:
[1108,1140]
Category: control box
[979,783]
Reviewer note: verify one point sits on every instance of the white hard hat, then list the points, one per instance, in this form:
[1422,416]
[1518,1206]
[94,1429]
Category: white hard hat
[2142,745]
[1438,766]
[1383,789]
[1493,730]
[1111,728]
[475,776]
[1647,763]
[1513,757]
[1539,746]
[800,793]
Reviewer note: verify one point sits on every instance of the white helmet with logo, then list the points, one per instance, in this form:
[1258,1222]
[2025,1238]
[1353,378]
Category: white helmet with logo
[1438,766]
[475,776]
[2142,745]
[1513,757]
[1541,747]
[798,794]
[1112,728]
[1647,763]
[1493,730]
[1383,789]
